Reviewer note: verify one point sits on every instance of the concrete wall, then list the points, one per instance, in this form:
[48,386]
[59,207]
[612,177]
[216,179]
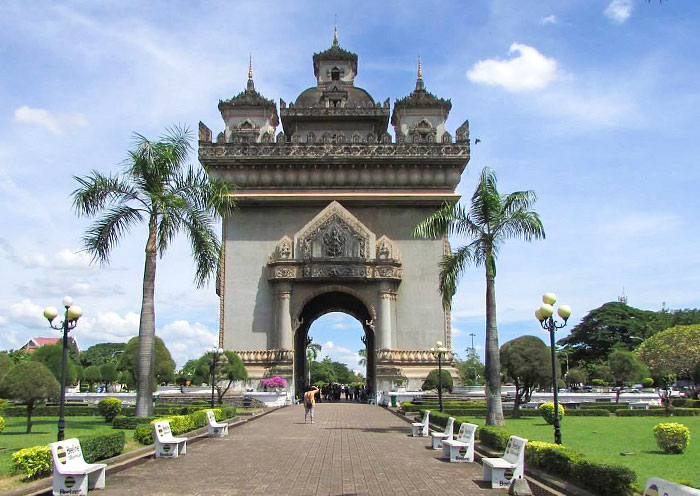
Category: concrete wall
[252,234]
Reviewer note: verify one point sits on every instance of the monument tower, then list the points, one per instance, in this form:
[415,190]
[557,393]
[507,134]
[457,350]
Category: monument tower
[325,213]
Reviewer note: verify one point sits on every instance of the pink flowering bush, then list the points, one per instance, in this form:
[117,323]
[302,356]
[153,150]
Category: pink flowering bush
[274,382]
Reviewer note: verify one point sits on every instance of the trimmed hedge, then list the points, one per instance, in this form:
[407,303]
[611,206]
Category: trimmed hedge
[109,408]
[102,446]
[49,411]
[123,422]
[610,407]
[685,403]
[600,478]
[179,424]
[2,424]
[588,412]
[659,412]
[36,460]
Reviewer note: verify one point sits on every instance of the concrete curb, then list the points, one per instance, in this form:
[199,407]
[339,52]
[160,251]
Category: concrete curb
[545,481]
[124,461]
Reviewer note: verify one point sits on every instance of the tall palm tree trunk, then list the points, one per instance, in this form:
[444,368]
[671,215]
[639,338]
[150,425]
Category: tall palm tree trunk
[147,328]
[494,409]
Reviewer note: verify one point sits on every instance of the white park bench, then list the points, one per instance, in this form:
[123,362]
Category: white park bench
[639,405]
[439,437]
[460,449]
[216,429]
[167,445]
[661,487]
[71,473]
[422,428]
[502,471]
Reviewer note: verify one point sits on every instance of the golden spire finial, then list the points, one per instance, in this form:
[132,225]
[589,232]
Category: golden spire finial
[250,66]
[420,68]
[335,31]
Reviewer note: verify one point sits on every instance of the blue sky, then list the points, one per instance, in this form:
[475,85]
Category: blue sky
[593,104]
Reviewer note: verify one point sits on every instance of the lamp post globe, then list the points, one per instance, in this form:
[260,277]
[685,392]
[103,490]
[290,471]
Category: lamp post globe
[50,313]
[545,315]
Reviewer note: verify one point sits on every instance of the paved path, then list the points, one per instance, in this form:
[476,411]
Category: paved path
[352,449]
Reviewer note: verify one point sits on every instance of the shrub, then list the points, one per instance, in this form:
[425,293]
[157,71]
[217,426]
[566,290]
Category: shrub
[109,408]
[647,382]
[547,412]
[273,382]
[32,462]
[659,412]
[599,382]
[143,434]
[493,437]
[2,424]
[672,437]
[685,403]
[603,479]
[554,458]
[123,422]
[102,446]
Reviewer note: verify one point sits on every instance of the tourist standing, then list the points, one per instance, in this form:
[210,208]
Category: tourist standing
[310,403]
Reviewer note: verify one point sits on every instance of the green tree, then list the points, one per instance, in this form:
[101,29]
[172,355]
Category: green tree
[526,360]
[6,364]
[109,373]
[52,357]
[126,379]
[431,381]
[673,351]
[163,367]
[102,353]
[92,375]
[30,383]
[575,377]
[363,357]
[470,370]
[323,371]
[18,356]
[626,367]
[312,351]
[154,188]
[492,219]
[609,326]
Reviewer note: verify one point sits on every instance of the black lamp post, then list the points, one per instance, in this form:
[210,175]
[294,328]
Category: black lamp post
[70,320]
[215,353]
[544,315]
[439,351]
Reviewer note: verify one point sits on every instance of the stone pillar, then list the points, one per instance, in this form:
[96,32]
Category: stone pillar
[383,329]
[284,319]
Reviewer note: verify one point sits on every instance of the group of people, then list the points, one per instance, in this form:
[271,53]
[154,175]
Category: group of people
[340,392]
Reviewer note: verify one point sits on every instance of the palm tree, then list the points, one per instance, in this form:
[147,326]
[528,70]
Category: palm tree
[363,357]
[312,351]
[154,187]
[492,219]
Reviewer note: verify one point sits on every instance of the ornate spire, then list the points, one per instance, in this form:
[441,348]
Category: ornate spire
[335,34]
[250,86]
[420,85]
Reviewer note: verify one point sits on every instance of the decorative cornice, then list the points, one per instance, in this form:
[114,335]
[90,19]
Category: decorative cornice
[334,270]
[410,357]
[265,357]
[249,97]
[334,53]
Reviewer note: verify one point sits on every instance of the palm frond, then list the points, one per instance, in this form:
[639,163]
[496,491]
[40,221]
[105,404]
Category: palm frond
[170,220]
[518,201]
[108,230]
[205,245]
[451,268]
[438,223]
[96,191]
[486,201]
[522,224]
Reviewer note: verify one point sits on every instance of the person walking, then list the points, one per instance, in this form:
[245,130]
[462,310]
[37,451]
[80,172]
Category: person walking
[310,403]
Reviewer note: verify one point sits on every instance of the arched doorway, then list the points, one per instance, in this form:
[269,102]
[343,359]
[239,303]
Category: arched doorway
[332,301]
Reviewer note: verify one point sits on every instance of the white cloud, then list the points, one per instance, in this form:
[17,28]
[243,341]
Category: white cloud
[339,326]
[550,19]
[618,11]
[28,314]
[56,123]
[63,259]
[108,327]
[528,70]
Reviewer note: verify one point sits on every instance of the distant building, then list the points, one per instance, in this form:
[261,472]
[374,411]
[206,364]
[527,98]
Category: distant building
[35,343]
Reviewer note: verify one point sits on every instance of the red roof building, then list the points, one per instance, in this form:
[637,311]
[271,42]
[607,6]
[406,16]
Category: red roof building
[36,343]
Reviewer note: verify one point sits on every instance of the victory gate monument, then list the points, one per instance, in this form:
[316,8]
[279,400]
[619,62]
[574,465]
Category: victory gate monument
[325,212]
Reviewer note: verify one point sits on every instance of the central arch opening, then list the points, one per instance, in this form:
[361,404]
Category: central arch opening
[333,301]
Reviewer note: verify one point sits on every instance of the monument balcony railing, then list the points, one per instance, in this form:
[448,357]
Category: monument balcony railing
[333,269]
[334,112]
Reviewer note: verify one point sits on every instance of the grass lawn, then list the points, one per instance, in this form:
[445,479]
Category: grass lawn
[44,431]
[603,438]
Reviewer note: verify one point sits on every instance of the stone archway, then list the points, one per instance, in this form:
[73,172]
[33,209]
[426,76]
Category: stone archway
[323,303]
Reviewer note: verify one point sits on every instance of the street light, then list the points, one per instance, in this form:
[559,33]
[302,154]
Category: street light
[439,351]
[544,316]
[70,320]
[215,353]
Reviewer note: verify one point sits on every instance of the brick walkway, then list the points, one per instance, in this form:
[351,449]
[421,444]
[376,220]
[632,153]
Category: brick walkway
[352,449]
